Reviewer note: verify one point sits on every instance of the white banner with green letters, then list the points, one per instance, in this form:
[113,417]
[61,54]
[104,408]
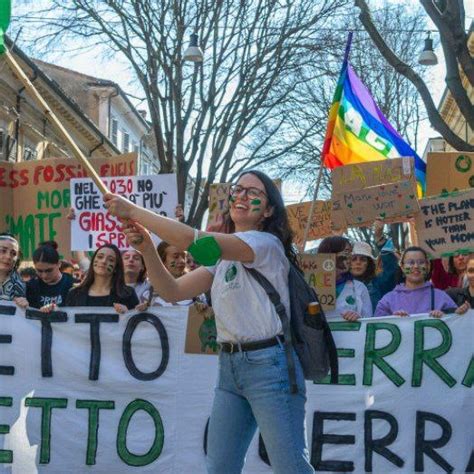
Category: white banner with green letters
[86,390]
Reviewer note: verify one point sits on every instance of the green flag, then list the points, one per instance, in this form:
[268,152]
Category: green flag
[5,13]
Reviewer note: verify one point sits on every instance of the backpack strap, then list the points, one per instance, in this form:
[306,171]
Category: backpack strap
[285,323]
[432,297]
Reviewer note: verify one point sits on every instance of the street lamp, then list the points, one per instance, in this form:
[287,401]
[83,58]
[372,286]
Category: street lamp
[428,57]
[193,52]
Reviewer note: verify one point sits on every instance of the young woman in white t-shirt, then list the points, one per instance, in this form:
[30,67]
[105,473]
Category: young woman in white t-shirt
[253,385]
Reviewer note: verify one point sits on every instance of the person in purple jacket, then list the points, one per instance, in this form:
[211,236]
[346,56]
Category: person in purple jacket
[417,294]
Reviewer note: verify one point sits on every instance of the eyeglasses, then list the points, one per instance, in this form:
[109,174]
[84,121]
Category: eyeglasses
[412,263]
[252,193]
[48,270]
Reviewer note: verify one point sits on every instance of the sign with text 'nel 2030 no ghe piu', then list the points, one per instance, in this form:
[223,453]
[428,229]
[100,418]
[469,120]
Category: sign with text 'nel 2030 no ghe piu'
[94,226]
[445,225]
[448,172]
[320,273]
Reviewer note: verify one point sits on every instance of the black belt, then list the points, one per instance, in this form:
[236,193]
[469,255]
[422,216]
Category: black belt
[232,347]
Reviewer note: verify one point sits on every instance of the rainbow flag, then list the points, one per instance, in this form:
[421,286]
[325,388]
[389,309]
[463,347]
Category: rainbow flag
[359,132]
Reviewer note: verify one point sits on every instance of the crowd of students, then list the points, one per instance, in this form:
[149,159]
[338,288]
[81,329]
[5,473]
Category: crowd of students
[389,285]
[365,286]
[109,278]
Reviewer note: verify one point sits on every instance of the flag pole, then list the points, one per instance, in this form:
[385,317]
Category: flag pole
[320,175]
[51,116]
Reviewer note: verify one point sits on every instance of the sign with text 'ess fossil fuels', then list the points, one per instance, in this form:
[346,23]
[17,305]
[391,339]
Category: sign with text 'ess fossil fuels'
[35,197]
[445,225]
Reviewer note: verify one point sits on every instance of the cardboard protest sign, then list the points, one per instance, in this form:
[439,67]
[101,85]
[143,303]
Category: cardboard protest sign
[201,333]
[321,224]
[94,226]
[448,172]
[360,176]
[366,191]
[39,198]
[129,400]
[391,202]
[218,202]
[445,225]
[320,273]
[338,218]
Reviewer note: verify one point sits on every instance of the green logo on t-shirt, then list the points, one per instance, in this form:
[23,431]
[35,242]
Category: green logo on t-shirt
[231,273]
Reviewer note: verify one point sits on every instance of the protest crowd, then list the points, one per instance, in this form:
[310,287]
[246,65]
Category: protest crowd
[366,286]
[197,268]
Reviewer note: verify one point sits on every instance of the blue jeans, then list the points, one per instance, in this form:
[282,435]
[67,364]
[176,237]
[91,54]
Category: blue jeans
[253,389]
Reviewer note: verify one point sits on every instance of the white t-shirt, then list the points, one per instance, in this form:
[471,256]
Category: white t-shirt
[243,310]
[353,297]
[142,290]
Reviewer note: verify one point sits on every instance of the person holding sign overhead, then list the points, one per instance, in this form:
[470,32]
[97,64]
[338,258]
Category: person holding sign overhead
[104,284]
[352,297]
[417,294]
[253,385]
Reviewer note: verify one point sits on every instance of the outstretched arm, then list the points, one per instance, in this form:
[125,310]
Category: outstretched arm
[170,289]
[176,233]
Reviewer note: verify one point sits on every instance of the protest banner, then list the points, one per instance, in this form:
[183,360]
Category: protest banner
[448,172]
[320,273]
[359,176]
[218,202]
[94,226]
[201,331]
[321,222]
[98,392]
[445,225]
[39,198]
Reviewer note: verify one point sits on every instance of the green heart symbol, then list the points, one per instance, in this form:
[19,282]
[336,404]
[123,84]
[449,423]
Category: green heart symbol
[350,300]
[349,205]
[412,196]
[383,214]
[359,219]
[407,207]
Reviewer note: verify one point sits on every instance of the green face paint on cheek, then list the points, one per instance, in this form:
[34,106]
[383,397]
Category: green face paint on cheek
[231,199]
[110,268]
[256,202]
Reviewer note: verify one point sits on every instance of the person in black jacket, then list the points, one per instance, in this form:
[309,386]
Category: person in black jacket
[104,284]
[50,288]
[465,296]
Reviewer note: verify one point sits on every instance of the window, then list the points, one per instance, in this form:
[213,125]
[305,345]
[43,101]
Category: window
[2,143]
[126,142]
[11,147]
[29,154]
[114,132]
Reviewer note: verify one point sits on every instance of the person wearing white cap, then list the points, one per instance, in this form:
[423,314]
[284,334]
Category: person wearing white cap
[363,265]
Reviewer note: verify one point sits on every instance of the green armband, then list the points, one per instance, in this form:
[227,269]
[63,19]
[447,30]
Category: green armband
[205,251]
